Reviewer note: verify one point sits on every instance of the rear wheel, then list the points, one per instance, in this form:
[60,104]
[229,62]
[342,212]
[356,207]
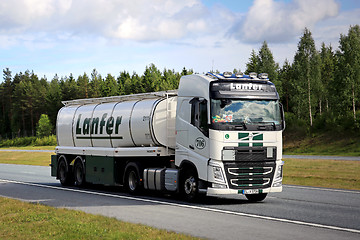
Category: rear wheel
[64,173]
[79,173]
[256,197]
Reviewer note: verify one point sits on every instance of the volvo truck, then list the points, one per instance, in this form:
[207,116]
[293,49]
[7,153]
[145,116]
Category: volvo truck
[218,134]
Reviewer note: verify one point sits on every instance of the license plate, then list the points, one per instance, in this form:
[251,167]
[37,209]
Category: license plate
[251,191]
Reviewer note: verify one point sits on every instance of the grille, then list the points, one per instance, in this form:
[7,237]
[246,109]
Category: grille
[254,154]
[249,175]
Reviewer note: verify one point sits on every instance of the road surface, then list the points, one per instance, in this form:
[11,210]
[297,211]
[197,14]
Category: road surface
[296,213]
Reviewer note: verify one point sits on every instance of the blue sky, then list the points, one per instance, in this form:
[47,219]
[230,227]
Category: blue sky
[75,36]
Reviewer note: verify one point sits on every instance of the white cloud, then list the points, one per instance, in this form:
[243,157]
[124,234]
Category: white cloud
[141,20]
[275,21]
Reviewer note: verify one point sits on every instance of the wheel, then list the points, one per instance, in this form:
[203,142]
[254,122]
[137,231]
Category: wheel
[190,185]
[256,197]
[64,173]
[79,173]
[132,181]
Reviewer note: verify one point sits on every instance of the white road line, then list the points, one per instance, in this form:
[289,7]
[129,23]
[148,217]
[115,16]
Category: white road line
[324,189]
[189,206]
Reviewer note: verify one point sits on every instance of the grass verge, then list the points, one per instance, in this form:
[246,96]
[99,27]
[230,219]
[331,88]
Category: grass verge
[20,220]
[322,173]
[52,148]
[26,158]
[322,144]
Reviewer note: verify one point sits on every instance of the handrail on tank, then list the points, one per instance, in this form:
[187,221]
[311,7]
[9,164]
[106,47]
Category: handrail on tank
[122,98]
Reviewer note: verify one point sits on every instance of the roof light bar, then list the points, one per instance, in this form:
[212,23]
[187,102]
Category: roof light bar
[253,74]
[227,74]
[263,75]
[239,74]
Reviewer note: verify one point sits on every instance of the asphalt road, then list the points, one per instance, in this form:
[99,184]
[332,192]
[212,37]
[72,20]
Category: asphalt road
[296,213]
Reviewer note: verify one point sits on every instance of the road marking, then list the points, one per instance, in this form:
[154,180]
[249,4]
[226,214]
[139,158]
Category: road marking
[189,206]
[324,189]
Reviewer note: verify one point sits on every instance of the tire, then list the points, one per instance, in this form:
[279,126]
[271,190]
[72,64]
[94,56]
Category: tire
[132,181]
[79,173]
[256,197]
[189,185]
[64,173]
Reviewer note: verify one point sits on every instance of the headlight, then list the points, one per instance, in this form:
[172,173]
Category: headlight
[278,175]
[279,171]
[218,173]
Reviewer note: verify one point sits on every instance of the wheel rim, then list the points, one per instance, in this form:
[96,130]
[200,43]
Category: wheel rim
[79,175]
[62,172]
[132,181]
[190,185]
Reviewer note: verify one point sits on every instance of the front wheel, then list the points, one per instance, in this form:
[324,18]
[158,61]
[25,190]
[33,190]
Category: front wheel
[256,197]
[190,185]
[132,181]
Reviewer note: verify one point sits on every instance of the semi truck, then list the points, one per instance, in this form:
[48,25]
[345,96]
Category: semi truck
[218,134]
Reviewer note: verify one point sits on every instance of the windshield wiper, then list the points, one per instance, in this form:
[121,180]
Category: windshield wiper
[242,127]
[265,124]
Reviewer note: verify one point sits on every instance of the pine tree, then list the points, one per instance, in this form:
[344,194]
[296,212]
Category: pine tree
[253,64]
[267,64]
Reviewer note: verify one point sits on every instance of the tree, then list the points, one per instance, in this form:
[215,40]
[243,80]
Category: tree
[307,76]
[267,64]
[53,99]
[7,93]
[327,75]
[83,84]
[44,127]
[69,88]
[109,87]
[151,78]
[349,67]
[95,84]
[253,64]
[286,80]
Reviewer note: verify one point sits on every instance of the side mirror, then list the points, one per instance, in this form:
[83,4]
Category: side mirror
[282,116]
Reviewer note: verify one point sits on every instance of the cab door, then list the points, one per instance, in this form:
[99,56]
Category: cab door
[198,136]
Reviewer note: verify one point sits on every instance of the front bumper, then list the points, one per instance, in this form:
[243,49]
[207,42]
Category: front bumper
[227,191]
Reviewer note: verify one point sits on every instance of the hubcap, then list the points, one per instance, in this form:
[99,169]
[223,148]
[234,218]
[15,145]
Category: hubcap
[79,175]
[190,185]
[132,181]
[62,172]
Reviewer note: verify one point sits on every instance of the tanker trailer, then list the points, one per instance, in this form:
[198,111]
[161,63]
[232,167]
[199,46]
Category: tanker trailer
[218,134]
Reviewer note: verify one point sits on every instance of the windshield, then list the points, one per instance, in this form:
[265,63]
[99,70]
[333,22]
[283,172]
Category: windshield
[235,111]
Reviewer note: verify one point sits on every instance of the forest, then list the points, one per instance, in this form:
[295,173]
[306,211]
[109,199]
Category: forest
[320,88]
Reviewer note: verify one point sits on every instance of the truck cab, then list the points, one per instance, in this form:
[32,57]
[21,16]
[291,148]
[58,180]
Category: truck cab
[229,135]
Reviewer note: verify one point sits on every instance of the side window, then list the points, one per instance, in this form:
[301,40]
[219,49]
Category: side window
[199,115]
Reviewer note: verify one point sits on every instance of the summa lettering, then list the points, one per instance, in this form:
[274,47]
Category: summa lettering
[246,87]
[97,125]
